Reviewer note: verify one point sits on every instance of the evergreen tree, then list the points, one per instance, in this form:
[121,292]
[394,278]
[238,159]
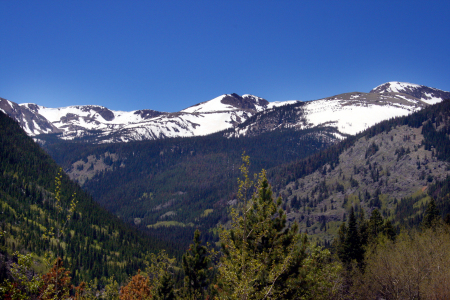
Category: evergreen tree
[164,291]
[431,216]
[353,241]
[363,228]
[262,257]
[376,224]
[349,246]
[195,265]
[389,230]
[339,244]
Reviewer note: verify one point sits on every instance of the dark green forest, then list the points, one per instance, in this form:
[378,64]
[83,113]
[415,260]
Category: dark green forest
[192,179]
[94,244]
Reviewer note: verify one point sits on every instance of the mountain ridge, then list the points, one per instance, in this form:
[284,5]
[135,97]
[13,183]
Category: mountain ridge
[349,113]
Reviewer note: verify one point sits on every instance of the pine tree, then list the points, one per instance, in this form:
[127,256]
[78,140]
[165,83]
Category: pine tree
[431,216]
[363,228]
[353,242]
[348,245]
[164,291]
[262,257]
[389,230]
[195,265]
[375,224]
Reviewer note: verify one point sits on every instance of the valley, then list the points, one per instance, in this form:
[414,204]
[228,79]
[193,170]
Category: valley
[383,153]
[152,171]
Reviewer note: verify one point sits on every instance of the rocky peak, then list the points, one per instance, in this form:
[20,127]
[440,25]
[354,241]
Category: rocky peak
[244,102]
[148,113]
[104,112]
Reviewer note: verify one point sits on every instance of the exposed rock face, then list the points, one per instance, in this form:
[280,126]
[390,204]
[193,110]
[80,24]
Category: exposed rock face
[245,102]
[104,112]
[148,113]
[28,117]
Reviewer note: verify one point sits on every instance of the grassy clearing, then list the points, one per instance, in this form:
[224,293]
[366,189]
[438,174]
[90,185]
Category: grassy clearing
[167,224]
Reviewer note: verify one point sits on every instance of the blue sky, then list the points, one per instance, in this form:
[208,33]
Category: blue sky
[168,55]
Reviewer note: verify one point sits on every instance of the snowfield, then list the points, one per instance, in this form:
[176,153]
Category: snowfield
[350,119]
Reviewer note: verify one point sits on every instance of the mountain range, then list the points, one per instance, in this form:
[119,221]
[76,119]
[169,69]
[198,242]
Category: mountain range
[349,113]
[387,149]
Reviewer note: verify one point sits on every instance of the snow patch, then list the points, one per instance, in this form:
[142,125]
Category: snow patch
[351,119]
[399,87]
[431,100]
[281,103]
[210,106]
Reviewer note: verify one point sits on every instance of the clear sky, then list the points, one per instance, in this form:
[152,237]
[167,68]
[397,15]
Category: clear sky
[168,55]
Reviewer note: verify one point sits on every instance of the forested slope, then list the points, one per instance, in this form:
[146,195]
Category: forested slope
[395,166]
[95,243]
[182,182]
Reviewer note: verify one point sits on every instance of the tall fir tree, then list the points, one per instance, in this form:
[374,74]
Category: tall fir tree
[195,264]
[376,224]
[165,290]
[263,258]
[431,216]
[349,245]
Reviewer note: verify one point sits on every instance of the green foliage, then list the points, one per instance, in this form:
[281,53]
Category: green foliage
[186,176]
[354,237]
[376,224]
[25,283]
[165,290]
[431,216]
[159,267]
[350,245]
[414,266]
[196,262]
[111,290]
[46,213]
[262,258]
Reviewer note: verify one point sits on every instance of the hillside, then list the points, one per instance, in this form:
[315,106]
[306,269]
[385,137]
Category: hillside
[93,244]
[186,182]
[391,166]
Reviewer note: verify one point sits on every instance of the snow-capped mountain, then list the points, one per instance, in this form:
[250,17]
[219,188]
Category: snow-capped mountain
[33,123]
[101,125]
[349,113]
[426,94]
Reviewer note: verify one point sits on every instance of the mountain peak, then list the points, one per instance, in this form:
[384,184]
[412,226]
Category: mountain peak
[229,102]
[245,101]
[426,94]
[395,87]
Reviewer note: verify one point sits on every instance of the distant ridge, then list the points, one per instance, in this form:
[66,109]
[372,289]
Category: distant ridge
[349,113]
